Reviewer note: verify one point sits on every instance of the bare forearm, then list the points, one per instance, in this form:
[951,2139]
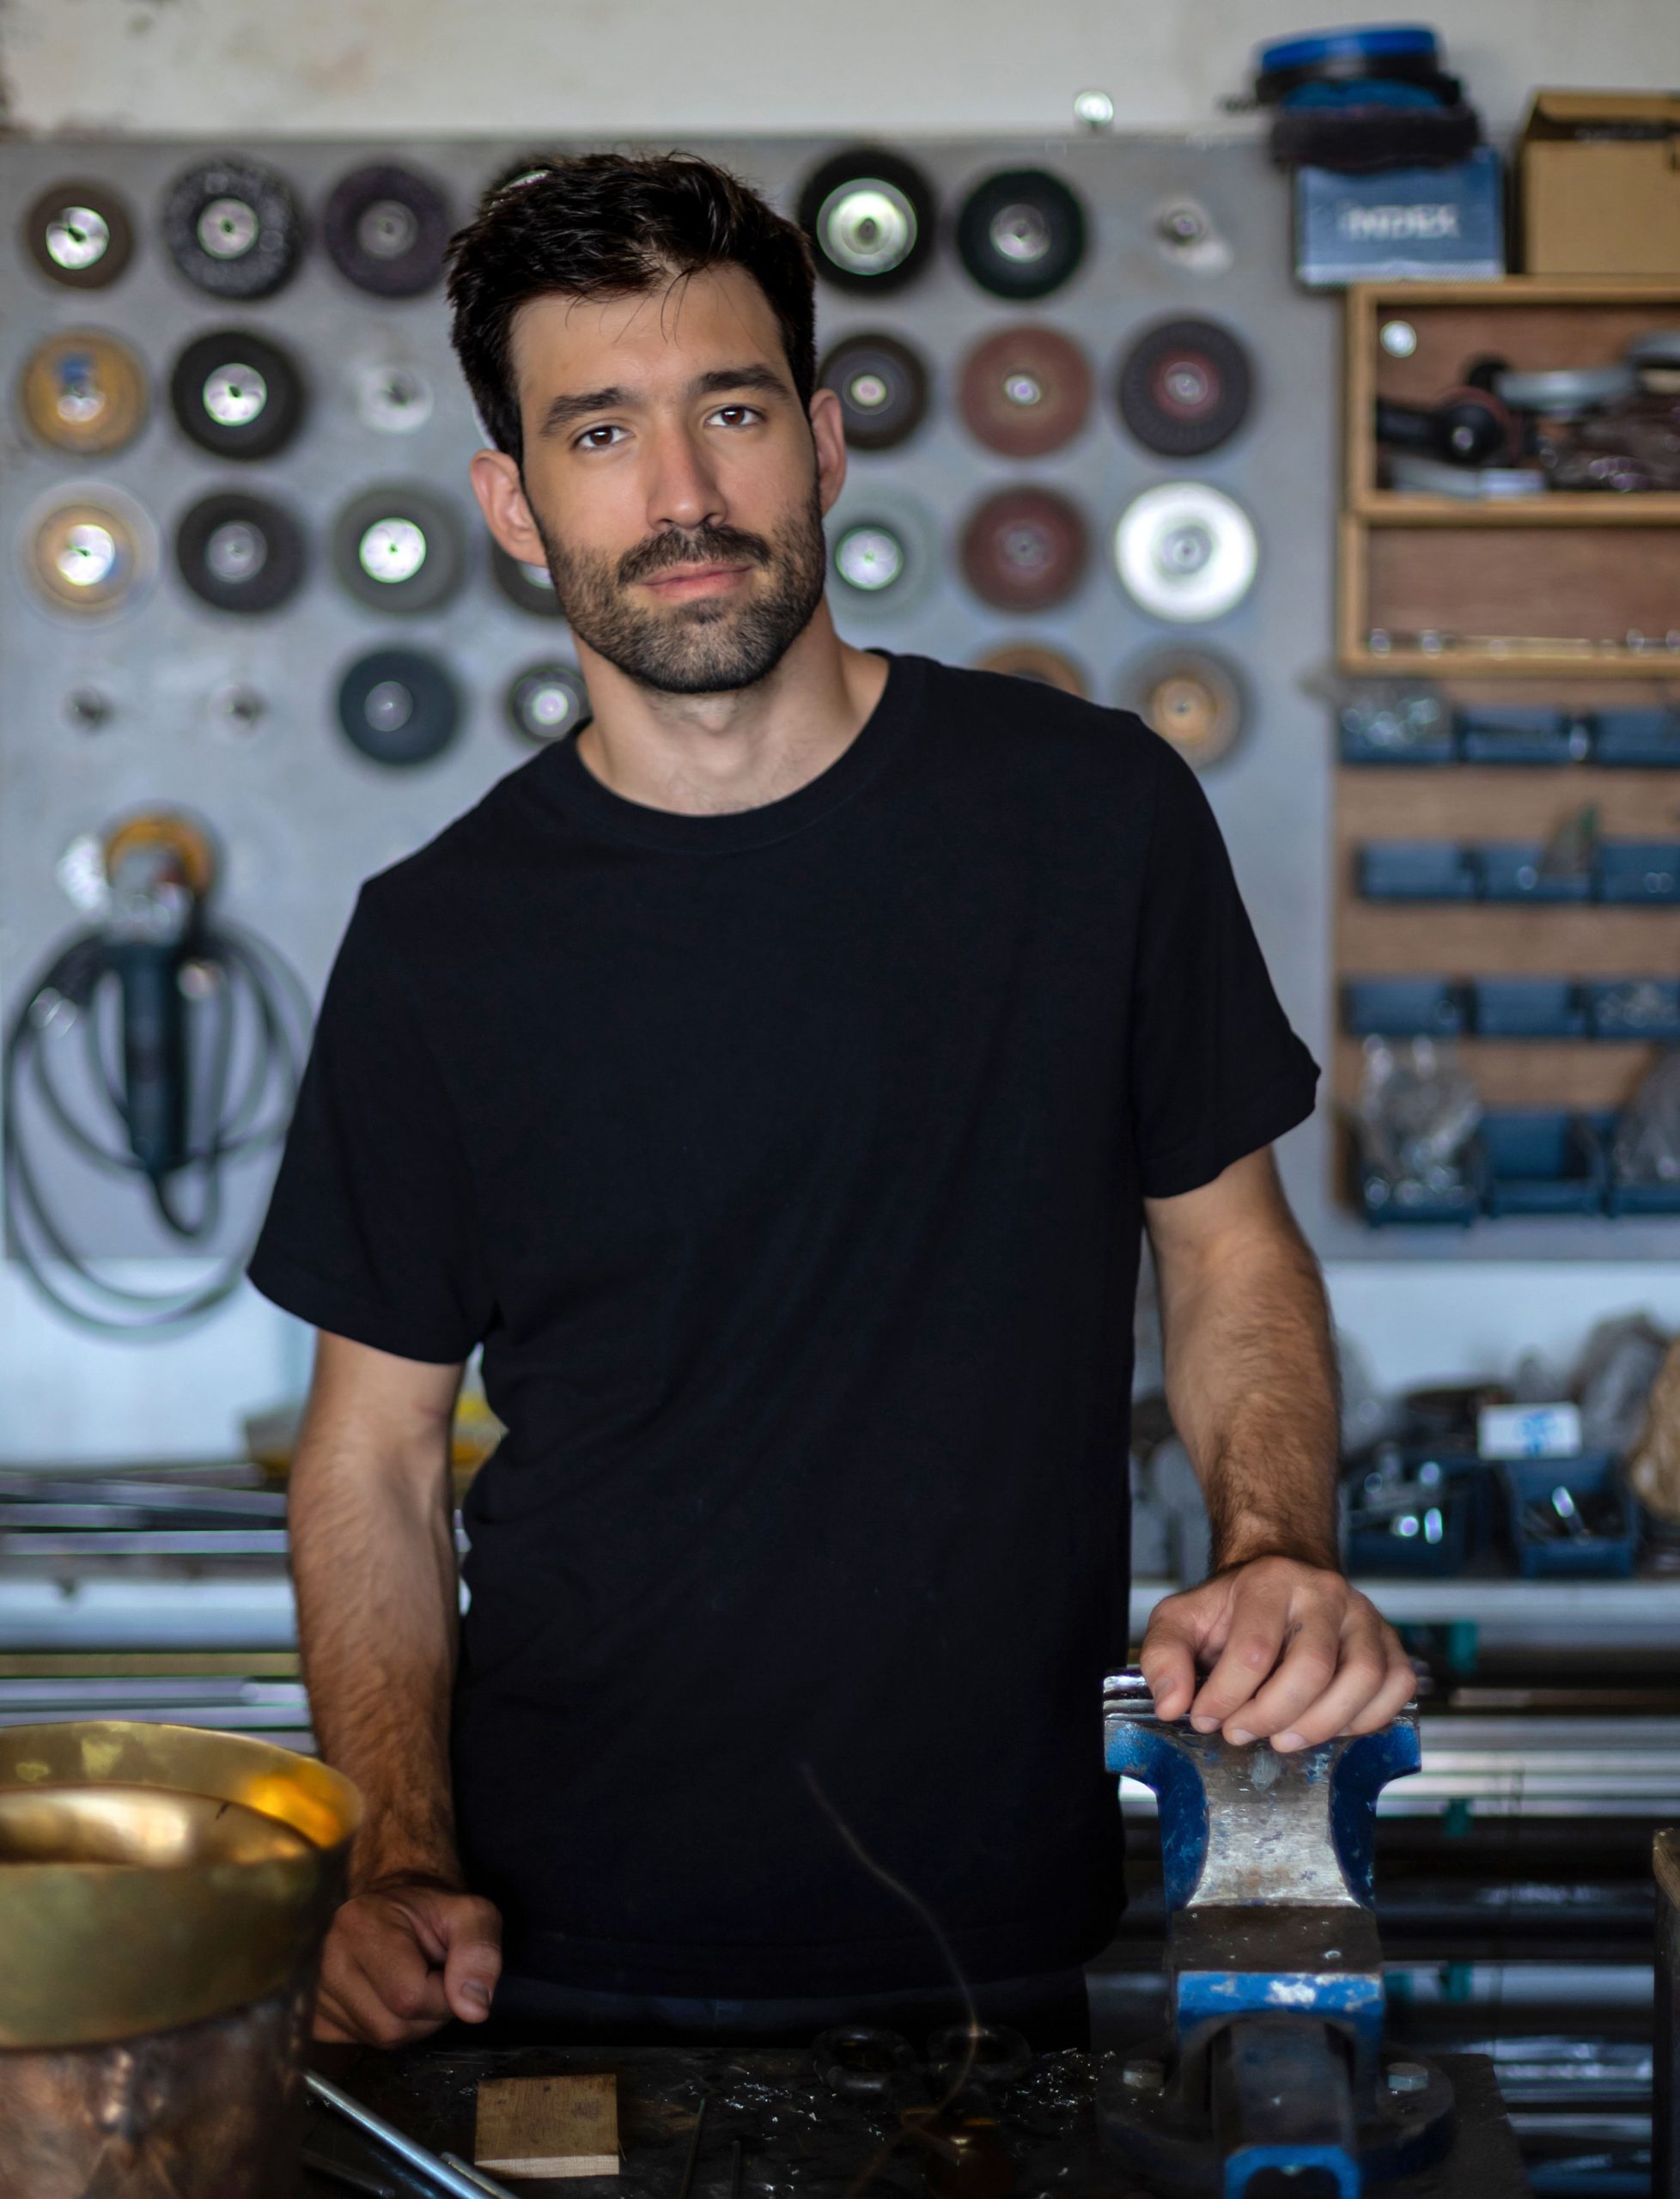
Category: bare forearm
[373,1563]
[1251,1382]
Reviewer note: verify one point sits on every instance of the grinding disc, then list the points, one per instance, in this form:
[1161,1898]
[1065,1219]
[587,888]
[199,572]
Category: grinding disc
[1025,391]
[399,547]
[1433,477]
[397,707]
[870,215]
[548,701]
[1190,697]
[527,588]
[1185,551]
[83,392]
[884,555]
[1028,661]
[236,394]
[232,228]
[1655,358]
[392,398]
[238,553]
[1024,550]
[89,550]
[79,234]
[1184,387]
[1021,233]
[385,228]
[882,386]
[1564,392]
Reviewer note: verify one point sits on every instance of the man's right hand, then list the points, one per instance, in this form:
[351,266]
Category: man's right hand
[402,1957]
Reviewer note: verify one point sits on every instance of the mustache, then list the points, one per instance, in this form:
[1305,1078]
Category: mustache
[701,545]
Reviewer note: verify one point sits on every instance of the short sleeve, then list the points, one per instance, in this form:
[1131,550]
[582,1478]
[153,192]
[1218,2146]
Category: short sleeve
[1216,1071]
[370,1232]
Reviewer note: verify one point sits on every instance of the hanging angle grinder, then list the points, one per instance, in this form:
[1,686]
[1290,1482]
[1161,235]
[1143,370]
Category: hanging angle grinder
[192,1038]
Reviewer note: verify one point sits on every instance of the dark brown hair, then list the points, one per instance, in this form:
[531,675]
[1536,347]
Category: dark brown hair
[606,225]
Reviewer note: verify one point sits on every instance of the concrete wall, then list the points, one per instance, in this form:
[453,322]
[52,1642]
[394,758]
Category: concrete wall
[609,68]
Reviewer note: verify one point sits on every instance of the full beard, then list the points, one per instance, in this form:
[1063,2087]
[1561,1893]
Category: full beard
[715,644]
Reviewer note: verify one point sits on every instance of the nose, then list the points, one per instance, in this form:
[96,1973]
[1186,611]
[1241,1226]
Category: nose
[683,490]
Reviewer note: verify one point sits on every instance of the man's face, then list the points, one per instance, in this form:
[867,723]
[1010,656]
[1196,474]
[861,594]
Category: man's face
[671,476]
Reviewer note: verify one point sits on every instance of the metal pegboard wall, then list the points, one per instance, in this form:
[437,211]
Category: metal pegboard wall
[234,717]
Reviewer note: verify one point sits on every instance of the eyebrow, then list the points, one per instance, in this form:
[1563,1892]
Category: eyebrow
[564,410]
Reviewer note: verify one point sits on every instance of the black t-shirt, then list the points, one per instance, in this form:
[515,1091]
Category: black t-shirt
[788,1163]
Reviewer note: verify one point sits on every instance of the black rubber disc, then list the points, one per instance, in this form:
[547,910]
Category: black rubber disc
[397,707]
[79,234]
[236,394]
[882,386]
[1021,233]
[548,701]
[870,216]
[385,228]
[233,227]
[240,553]
[527,588]
[1184,387]
[398,548]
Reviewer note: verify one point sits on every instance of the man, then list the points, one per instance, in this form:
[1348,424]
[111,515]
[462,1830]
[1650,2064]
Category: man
[774,1079]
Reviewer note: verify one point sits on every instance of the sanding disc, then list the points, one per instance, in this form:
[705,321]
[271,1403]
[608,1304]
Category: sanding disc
[1025,391]
[527,588]
[884,555]
[84,392]
[392,398]
[870,215]
[399,547]
[1564,392]
[236,394]
[1021,233]
[90,551]
[1185,551]
[399,707]
[548,701]
[1024,550]
[240,553]
[233,227]
[385,228]
[882,386]
[1190,697]
[1029,660]
[1184,387]
[79,234]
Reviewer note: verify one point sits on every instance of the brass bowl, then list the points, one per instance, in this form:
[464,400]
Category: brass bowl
[154,1876]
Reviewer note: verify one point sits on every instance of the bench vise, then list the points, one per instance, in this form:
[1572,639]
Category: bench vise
[1274,2066]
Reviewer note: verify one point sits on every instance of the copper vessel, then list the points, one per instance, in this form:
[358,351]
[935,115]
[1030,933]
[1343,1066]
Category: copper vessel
[164,1893]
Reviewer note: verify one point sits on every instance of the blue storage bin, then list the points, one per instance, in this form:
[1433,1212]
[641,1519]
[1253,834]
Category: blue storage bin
[1386,1205]
[1645,871]
[1520,733]
[1634,1007]
[1541,1160]
[1624,1199]
[1509,870]
[1402,1007]
[1471,1507]
[1591,1478]
[1416,870]
[1645,741]
[1527,1007]
[1383,736]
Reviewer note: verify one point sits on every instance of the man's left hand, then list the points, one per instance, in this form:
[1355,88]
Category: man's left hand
[1294,1654]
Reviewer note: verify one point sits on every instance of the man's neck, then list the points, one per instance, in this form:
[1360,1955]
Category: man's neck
[710,755]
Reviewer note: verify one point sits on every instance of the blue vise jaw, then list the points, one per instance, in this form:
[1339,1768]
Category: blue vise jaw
[1267,1862]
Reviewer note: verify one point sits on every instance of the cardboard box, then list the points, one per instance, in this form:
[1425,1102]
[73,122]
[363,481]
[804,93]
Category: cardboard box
[1599,184]
[1402,224]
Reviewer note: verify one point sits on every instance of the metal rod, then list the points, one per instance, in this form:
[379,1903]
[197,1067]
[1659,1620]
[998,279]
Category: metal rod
[684,2188]
[735,2174]
[341,2173]
[486,2183]
[419,2158]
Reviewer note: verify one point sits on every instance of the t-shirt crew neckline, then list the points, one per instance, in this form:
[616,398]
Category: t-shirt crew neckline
[576,788]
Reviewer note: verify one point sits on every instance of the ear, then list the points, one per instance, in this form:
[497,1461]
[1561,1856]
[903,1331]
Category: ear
[828,432]
[495,483]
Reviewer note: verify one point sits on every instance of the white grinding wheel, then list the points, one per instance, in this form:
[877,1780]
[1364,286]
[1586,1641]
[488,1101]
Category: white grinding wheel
[1185,552]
